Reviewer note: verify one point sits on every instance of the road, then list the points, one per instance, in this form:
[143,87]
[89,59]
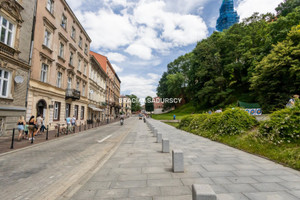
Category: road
[47,170]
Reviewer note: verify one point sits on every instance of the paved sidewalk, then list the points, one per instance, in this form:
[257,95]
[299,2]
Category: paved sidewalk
[138,170]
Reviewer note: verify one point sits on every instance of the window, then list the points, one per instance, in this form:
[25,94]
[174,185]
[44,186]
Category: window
[71,58]
[84,69]
[76,111]
[83,90]
[61,50]
[44,73]
[64,21]
[56,114]
[82,113]
[80,42]
[73,32]
[6,34]
[4,83]
[68,109]
[50,4]
[77,85]
[47,38]
[58,81]
[69,82]
[79,65]
[86,49]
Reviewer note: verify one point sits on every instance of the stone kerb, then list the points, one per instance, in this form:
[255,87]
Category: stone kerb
[203,192]
[177,161]
[165,145]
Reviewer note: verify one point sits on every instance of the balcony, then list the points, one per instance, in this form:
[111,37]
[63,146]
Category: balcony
[72,94]
[7,49]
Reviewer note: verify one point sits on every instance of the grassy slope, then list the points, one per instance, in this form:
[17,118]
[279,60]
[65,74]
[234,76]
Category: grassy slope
[184,110]
[286,154]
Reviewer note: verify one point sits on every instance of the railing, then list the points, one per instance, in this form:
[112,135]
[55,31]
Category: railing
[73,94]
[6,49]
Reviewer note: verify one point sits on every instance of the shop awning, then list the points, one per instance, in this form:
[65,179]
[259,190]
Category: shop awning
[96,109]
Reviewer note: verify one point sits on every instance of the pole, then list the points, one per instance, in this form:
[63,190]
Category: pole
[12,139]
[47,132]
[58,126]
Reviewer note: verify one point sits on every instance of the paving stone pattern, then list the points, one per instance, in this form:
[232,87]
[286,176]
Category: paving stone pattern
[139,170]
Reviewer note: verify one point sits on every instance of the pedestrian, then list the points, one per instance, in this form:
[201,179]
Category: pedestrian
[26,130]
[73,121]
[174,117]
[68,120]
[21,123]
[31,127]
[39,122]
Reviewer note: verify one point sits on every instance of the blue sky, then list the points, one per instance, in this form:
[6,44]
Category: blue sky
[140,37]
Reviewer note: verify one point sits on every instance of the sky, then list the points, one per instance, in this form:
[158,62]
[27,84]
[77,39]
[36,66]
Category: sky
[140,37]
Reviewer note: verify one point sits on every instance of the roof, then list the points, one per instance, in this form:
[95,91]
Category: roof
[97,62]
[248,105]
[102,60]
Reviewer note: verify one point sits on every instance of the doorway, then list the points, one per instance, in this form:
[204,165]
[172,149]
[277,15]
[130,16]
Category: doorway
[41,107]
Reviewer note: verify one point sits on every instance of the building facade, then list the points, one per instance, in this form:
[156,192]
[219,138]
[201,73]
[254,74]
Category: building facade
[158,105]
[112,88]
[16,20]
[125,104]
[228,16]
[60,65]
[97,92]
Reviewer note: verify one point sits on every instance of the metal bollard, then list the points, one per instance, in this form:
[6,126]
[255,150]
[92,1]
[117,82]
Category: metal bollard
[67,131]
[47,132]
[12,139]
[58,126]
[80,128]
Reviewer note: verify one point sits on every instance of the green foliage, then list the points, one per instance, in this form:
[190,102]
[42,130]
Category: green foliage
[181,112]
[224,123]
[283,126]
[241,63]
[149,105]
[135,103]
[277,76]
[185,122]
[287,6]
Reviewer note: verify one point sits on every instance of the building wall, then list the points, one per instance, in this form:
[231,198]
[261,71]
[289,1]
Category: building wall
[97,91]
[48,91]
[15,63]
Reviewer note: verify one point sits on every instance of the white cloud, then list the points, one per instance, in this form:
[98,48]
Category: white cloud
[75,4]
[246,8]
[116,57]
[146,29]
[117,68]
[140,85]
[107,29]
[140,50]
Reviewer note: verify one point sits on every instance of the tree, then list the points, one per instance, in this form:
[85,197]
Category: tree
[277,76]
[135,103]
[287,6]
[149,105]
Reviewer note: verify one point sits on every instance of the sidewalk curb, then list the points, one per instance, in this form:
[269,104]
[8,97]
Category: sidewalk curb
[49,141]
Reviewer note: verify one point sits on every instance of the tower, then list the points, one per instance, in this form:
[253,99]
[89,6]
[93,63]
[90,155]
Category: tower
[228,16]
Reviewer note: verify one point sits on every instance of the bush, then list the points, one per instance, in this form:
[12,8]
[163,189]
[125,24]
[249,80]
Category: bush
[197,121]
[231,122]
[185,122]
[283,126]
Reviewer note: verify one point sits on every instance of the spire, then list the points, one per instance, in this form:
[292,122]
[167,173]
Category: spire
[228,16]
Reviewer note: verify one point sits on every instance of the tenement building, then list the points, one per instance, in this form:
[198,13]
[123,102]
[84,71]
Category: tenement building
[112,87]
[60,61]
[96,91]
[16,19]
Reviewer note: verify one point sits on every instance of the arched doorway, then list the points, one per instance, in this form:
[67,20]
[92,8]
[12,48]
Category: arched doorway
[41,107]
